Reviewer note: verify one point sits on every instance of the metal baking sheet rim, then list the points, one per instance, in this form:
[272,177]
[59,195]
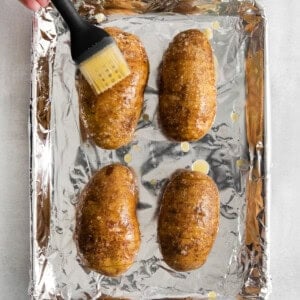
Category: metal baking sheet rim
[268,152]
[267,163]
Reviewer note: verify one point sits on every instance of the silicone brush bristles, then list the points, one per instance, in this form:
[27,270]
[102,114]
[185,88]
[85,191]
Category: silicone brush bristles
[105,68]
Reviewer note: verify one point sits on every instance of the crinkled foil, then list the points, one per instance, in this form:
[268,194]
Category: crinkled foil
[62,160]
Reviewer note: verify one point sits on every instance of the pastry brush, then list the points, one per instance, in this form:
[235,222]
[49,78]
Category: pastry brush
[93,50]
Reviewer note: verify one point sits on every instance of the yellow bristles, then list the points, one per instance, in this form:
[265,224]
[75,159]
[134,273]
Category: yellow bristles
[105,69]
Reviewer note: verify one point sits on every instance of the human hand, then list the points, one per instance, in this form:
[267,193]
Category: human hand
[35,5]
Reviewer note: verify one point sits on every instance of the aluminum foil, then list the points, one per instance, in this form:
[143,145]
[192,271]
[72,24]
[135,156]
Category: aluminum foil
[63,161]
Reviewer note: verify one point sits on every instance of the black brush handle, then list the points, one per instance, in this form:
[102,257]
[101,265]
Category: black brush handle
[86,38]
[69,14]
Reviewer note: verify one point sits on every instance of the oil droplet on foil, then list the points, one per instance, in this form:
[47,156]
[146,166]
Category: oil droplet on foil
[146,117]
[234,117]
[208,33]
[128,158]
[100,18]
[136,148]
[201,166]
[153,182]
[212,295]
[242,164]
[216,25]
[185,147]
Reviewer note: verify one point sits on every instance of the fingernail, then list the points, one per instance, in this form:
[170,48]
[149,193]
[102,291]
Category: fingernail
[35,6]
[43,3]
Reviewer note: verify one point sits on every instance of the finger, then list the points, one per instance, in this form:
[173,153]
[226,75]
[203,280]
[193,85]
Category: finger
[31,4]
[43,3]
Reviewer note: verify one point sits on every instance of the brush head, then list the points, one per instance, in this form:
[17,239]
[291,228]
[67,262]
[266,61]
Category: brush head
[103,65]
[93,49]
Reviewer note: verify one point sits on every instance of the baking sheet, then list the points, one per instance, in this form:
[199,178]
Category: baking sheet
[63,161]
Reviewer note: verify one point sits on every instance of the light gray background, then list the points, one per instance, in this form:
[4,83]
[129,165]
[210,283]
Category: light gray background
[284,60]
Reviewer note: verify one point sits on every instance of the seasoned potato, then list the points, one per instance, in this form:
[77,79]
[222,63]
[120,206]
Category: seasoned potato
[187,103]
[188,220]
[107,229]
[110,118]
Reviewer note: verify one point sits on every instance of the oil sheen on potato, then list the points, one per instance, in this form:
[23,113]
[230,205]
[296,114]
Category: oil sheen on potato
[110,119]
[187,102]
[107,229]
[188,220]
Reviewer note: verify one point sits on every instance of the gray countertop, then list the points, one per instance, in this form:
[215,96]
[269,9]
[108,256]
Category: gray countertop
[284,63]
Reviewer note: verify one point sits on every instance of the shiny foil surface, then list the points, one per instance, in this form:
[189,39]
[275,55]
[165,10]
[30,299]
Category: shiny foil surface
[233,153]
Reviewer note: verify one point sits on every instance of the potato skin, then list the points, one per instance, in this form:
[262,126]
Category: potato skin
[110,118]
[187,103]
[107,229]
[188,220]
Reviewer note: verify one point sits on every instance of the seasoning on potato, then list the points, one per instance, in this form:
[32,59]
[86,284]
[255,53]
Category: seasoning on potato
[107,229]
[187,102]
[188,220]
[110,118]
